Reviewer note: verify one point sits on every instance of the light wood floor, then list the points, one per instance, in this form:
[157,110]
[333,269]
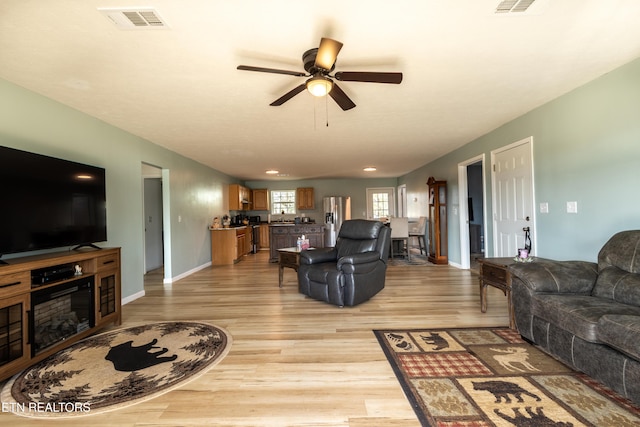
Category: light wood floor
[295,361]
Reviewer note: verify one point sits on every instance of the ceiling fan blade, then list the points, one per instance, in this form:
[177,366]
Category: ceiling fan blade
[327,53]
[341,98]
[287,96]
[271,70]
[370,77]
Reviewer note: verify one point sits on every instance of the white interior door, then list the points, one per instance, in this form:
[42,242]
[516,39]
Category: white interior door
[513,197]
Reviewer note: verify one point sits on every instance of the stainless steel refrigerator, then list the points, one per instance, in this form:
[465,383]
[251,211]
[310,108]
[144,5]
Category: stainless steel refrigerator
[336,211]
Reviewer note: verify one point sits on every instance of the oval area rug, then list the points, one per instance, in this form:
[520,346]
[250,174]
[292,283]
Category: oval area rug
[116,369]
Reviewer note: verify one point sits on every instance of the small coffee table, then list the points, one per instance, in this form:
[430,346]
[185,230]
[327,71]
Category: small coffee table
[287,257]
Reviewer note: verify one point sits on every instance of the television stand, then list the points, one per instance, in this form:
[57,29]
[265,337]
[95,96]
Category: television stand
[21,292]
[86,245]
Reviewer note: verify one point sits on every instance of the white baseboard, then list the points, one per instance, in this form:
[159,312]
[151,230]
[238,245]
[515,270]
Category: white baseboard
[455,264]
[133,297]
[186,273]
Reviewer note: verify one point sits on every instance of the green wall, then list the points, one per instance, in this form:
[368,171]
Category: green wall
[586,148]
[354,188]
[196,193]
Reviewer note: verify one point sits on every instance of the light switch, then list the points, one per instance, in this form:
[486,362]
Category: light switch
[572,207]
[544,207]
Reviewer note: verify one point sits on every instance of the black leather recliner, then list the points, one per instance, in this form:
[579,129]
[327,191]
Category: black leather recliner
[351,272]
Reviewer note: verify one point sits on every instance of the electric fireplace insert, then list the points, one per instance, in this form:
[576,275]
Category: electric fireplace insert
[60,312]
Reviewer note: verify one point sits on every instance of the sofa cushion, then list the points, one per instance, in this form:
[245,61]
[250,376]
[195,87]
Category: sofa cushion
[622,250]
[621,332]
[619,285]
[545,275]
[578,314]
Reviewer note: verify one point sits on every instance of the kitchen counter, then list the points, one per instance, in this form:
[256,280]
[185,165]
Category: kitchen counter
[234,227]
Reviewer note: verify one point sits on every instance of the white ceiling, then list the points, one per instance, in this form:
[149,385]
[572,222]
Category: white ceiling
[467,70]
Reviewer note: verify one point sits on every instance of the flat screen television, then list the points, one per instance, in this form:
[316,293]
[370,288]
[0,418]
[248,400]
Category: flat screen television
[49,203]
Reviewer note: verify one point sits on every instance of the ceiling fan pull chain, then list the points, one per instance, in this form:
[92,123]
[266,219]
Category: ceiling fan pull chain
[326,108]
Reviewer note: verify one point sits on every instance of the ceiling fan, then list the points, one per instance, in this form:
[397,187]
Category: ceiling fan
[318,63]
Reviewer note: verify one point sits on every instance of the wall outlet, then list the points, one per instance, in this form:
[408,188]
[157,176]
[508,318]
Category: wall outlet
[572,207]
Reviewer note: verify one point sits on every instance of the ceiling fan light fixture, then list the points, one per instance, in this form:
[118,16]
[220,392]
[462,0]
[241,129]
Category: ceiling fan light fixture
[319,86]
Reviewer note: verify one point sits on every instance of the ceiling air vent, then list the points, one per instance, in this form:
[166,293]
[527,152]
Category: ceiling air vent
[513,6]
[131,19]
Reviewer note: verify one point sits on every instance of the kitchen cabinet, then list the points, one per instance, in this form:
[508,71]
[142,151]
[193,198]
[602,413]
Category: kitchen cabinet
[438,241]
[239,198]
[224,246]
[305,198]
[286,236]
[248,240]
[229,245]
[260,199]
[264,236]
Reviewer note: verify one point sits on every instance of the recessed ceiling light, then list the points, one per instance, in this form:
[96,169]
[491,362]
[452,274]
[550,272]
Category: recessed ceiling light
[369,169]
[273,172]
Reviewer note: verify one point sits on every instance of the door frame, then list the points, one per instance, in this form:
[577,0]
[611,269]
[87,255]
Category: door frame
[463,203]
[149,170]
[402,200]
[495,209]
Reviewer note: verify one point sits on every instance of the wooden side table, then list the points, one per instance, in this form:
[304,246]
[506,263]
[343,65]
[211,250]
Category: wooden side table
[495,272]
[287,257]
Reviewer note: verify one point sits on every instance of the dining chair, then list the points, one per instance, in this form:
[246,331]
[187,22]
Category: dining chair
[418,231]
[400,232]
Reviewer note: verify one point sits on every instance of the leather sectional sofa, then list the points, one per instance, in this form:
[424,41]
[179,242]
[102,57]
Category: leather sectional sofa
[586,314]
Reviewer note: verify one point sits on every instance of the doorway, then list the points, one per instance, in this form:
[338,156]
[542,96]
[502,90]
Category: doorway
[471,179]
[153,218]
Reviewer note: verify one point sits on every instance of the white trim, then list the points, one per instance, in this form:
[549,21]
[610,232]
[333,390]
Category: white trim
[456,265]
[402,200]
[463,206]
[132,298]
[169,281]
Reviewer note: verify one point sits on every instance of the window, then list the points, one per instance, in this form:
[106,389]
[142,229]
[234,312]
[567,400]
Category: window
[380,203]
[283,201]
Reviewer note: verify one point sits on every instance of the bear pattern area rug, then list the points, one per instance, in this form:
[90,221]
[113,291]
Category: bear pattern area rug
[491,377]
[116,369]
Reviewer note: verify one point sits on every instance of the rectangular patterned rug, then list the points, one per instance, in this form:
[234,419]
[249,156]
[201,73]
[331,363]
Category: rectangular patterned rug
[491,377]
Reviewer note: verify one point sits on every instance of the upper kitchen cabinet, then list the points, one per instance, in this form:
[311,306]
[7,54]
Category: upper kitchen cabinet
[305,198]
[239,198]
[261,199]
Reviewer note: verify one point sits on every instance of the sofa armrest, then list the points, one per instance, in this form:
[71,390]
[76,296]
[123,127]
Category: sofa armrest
[318,256]
[362,258]
[549,276]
